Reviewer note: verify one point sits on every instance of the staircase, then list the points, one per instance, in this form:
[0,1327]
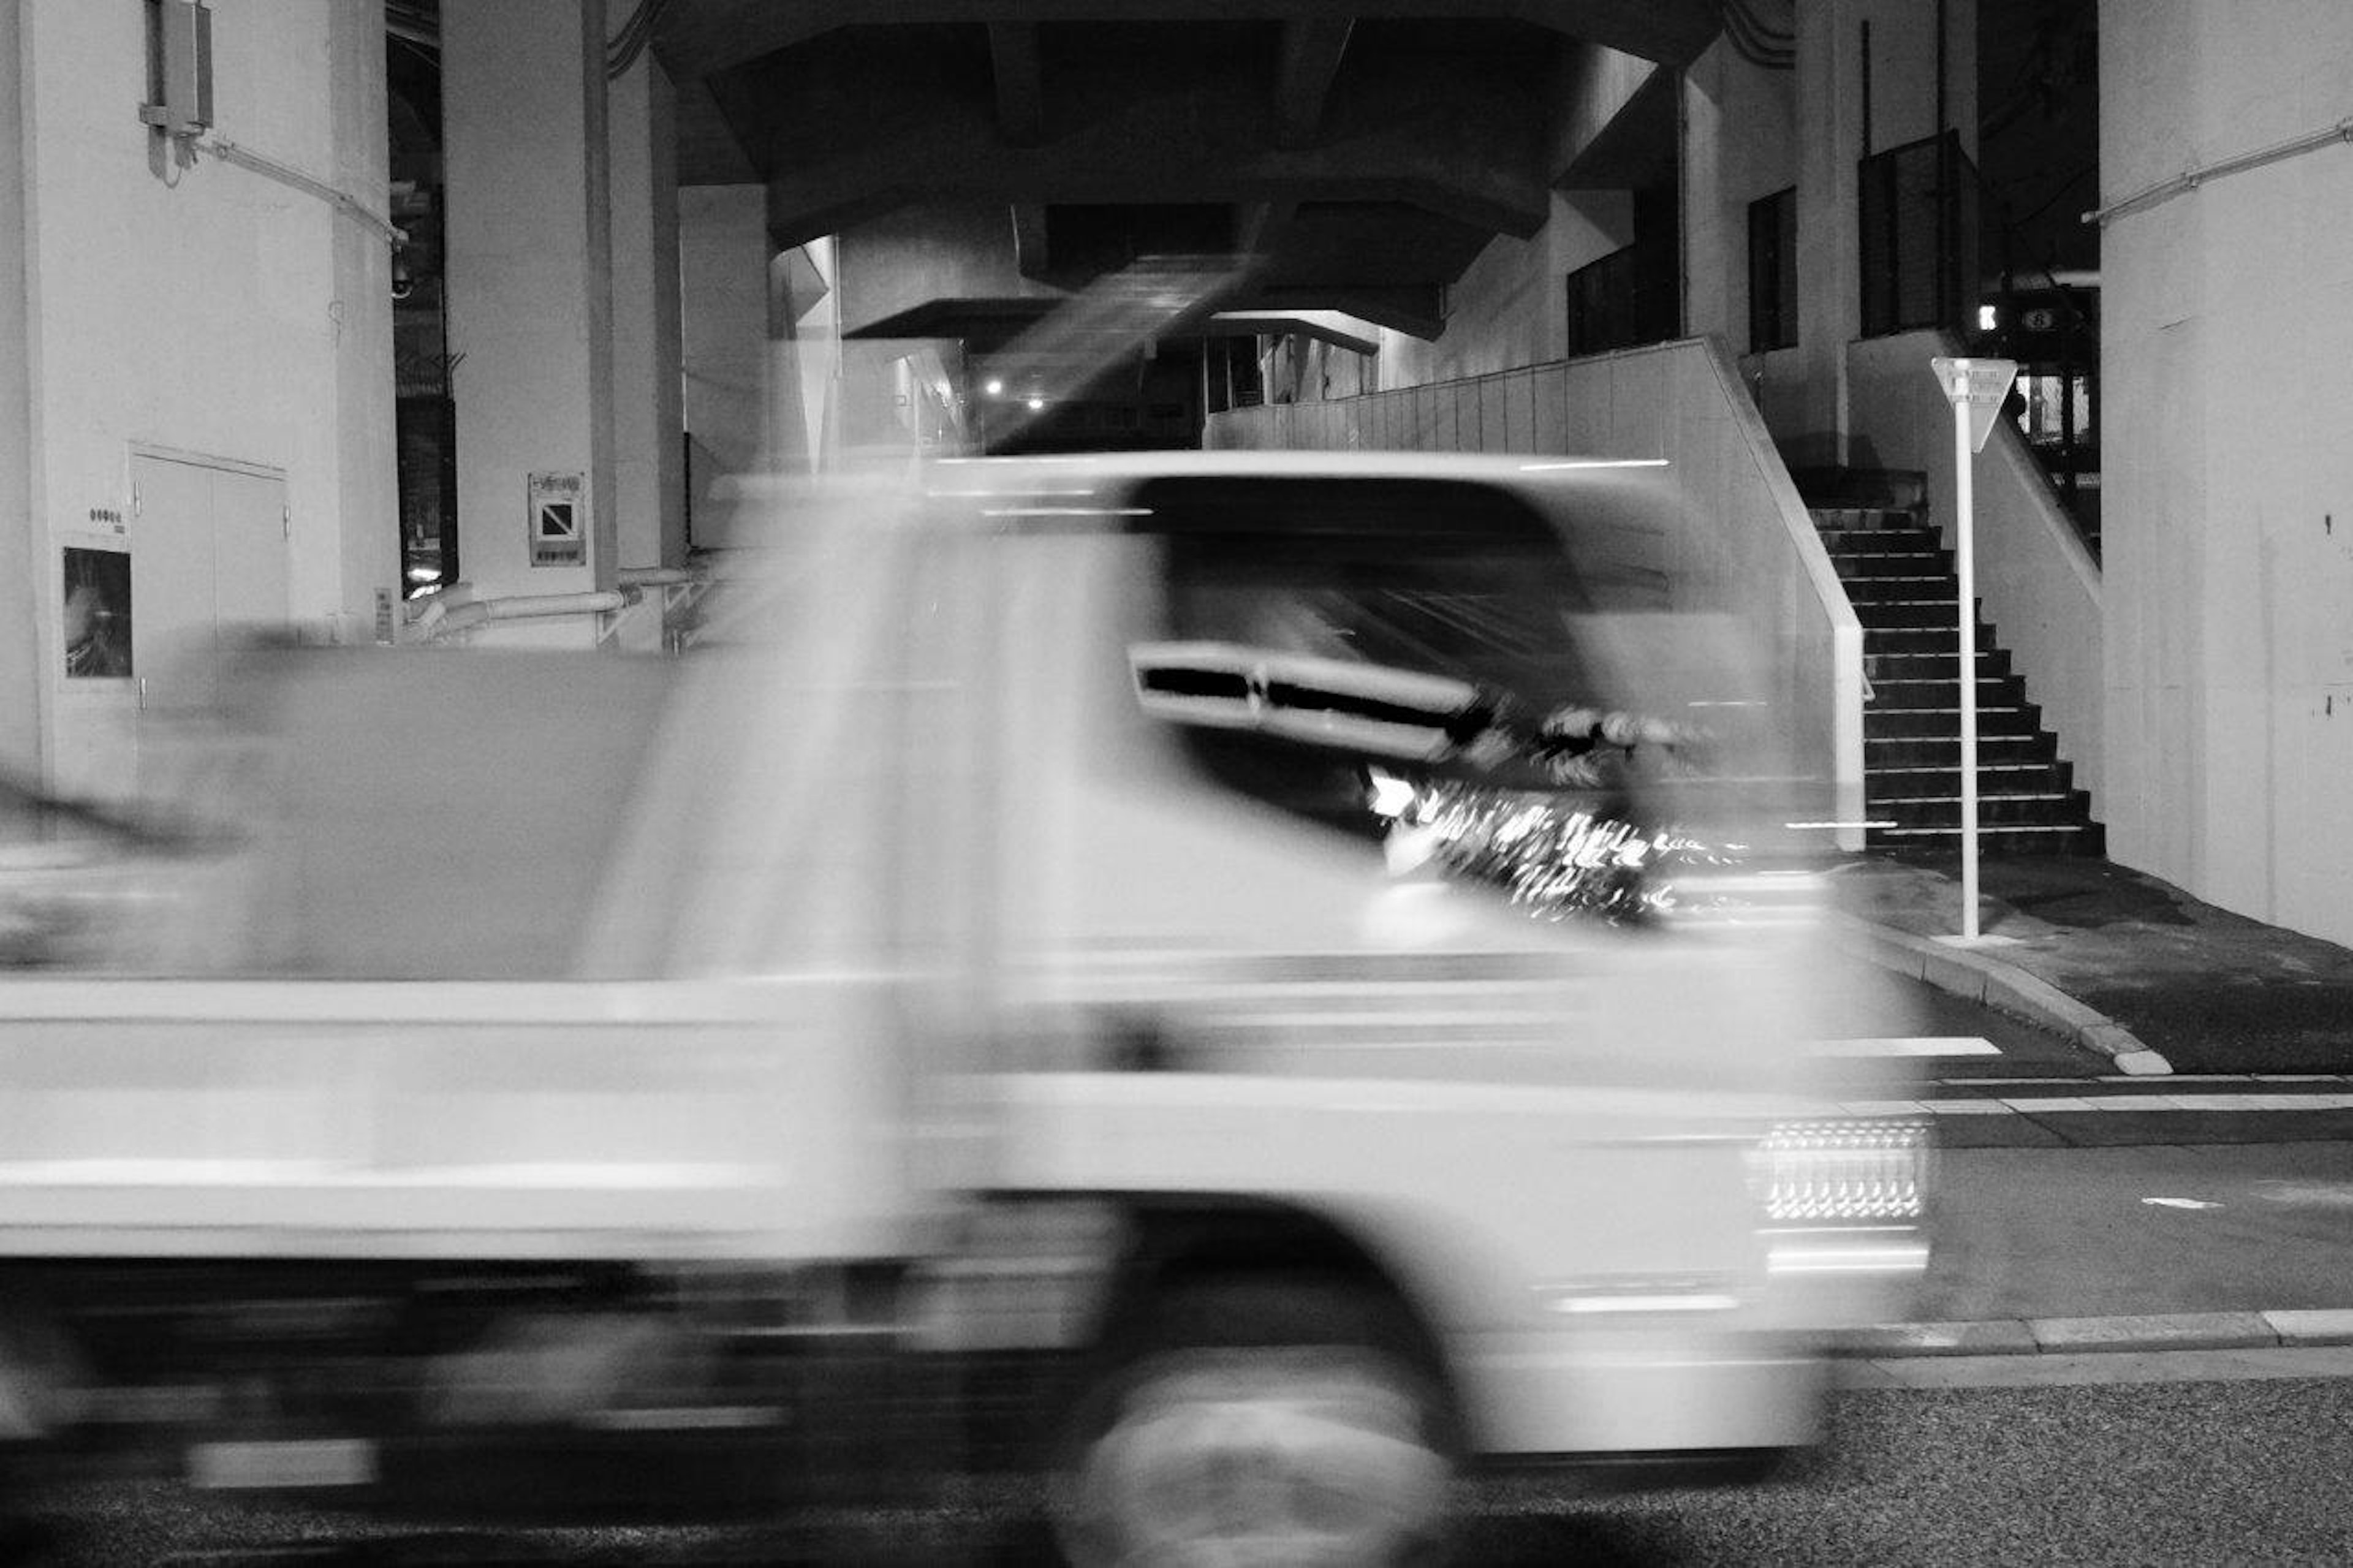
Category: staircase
[1900,579]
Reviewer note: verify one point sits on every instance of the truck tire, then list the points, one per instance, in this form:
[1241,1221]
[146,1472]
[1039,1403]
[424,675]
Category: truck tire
[1258,1420]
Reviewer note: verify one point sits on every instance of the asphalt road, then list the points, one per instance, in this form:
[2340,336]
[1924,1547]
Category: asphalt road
[2197,1472]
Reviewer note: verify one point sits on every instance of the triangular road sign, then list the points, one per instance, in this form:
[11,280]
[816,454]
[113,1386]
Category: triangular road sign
[1982,384]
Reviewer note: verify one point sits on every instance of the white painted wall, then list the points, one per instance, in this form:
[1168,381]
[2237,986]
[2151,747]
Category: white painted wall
[2227,362]
[206,309]
[1753,550]
[24,595]
[2042,589]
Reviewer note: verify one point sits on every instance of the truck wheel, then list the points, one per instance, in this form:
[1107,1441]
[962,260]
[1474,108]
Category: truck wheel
[1258,1421]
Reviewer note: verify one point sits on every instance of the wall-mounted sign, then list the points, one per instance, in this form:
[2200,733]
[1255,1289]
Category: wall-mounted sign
[559,519]
[97,613]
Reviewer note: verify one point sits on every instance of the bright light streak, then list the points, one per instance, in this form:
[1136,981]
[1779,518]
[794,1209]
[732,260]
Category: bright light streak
[1590,1306]
[2181,1202]
[1594,463]
[1833,827]
[1880,1258]
[1066,512]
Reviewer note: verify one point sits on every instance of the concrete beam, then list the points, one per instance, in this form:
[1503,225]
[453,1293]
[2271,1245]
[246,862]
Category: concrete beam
[697,37]
[1310,61]
[1597,86]
[1413,311]
[1020,82]
[1445,146]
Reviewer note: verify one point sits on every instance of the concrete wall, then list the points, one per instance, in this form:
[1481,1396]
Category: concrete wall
[2040,587]
[2227,359]
[199,307]
[1509,308]
[1740,143]
[1753,551]
[724,301]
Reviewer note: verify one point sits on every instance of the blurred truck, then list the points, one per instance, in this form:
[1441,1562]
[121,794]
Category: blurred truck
[1243,983]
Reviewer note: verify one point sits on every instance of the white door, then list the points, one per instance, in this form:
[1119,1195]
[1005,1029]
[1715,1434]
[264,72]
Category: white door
[208,571]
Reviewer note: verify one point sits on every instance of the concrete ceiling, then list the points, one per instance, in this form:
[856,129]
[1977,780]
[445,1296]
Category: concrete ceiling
[1358,156]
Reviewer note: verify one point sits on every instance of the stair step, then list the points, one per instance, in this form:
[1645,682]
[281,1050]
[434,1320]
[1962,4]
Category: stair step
[1890,588]
[1893,533]
[1891,753]
[2026,775]
[1942,639]
[1912,616]
[1861,565]
[1941,665]
[2054,838]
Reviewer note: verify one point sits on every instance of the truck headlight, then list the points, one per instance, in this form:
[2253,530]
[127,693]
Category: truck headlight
[1843,1172]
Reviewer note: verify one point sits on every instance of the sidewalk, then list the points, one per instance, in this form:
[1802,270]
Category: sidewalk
[2059,1252]
[2130,966]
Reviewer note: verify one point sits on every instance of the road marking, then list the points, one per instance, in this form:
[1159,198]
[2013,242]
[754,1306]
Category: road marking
[1910,1046]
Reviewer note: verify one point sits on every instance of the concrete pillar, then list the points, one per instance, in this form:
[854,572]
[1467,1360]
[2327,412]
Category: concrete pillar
[723,304]
[530,235]
[1830,107]
[367,493]
[22,587]
[2227,536]
[648,462]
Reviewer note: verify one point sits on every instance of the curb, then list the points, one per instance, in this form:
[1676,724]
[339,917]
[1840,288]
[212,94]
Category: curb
[1980,977]
[2295,1329]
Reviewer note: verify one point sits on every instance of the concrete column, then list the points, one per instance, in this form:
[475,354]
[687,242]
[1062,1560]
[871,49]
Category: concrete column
[723,305]
[648,463]
[2227,365]
[1830,106]
[367,491]
[22,585]
[523,116]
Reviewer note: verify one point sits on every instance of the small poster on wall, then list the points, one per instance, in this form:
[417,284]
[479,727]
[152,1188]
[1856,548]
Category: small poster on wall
[96,618]
[559,519]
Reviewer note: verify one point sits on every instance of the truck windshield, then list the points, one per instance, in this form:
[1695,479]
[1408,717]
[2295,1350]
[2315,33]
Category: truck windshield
[1401,660]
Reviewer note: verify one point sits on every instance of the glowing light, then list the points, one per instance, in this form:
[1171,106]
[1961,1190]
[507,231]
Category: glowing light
[994,387]
[1036,405]
[1392,796]
[1987,318]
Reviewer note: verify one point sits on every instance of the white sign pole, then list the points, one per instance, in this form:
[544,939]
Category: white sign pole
[1965,562]
[1976,388]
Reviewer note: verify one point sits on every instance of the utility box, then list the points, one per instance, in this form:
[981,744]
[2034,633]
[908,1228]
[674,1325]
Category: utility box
[180,68]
